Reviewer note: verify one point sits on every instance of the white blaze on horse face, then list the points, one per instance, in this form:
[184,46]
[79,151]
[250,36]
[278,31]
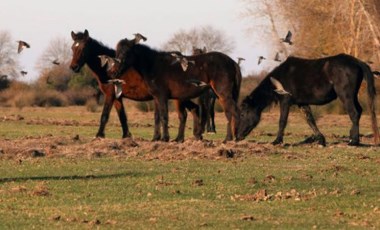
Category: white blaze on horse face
[76,44]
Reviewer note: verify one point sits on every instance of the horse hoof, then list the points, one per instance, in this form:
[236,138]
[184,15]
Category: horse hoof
[276,142]
[353,143]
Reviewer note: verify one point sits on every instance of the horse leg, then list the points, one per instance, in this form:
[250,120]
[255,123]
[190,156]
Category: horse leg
[164,117]
[119,106]
[232,115]
[182,116]
[157,129]
[354,110]
[198,122]
[105,116]
[318,136]
[284,113]
[211,113]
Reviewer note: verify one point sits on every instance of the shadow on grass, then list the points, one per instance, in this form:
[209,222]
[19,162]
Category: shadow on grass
[73,177]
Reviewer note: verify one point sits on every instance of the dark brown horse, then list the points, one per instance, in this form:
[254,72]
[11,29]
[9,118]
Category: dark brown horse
[305,82]
[86,51]
[167,80]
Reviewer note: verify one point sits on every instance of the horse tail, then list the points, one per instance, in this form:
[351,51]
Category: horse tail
[238,80]
[371,92]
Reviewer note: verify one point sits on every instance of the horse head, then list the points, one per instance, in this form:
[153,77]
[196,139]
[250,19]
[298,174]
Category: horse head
[80,50]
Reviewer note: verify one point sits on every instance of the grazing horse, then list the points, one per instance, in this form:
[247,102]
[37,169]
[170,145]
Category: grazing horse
[305,82]
[86,50]
[167,80]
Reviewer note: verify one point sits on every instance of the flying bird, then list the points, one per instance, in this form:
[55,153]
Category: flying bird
[23,73]
[139,37]
[261,58]
[182,60]
[277,57]
[279,88]
[118,86]
[22,45]
[56,62]
[106,60]
[288,38]
[240,59]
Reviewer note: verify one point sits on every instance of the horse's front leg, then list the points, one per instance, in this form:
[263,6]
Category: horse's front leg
[119,106]
[284,113]
[105,115]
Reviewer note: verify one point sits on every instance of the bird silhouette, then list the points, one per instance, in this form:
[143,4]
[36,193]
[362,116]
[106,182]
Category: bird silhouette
[139,37]
[288,38]
[23,73]
[55,62]
[279,88]
[277,57]
[261,58]
[22,45]
[118,86]
[240,59]
[182,60]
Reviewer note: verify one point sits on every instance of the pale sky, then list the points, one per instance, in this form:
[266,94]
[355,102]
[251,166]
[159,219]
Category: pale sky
[40,21]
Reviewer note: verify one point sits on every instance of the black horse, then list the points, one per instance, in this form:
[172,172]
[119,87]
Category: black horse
[166,79]
[305,82]
[86,50]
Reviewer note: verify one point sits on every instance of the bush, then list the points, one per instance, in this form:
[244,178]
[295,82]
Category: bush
[92,105]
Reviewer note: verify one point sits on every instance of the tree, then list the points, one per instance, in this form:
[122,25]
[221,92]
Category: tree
[321,27]
[9,64]
[206,36]
[58,53]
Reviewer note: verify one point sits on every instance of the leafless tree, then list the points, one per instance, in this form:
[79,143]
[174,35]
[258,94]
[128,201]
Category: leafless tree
[9,64]
[206,36]
[58,53]
[321,27]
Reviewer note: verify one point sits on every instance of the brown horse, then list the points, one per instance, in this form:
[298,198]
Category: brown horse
[86,51]
[167,80]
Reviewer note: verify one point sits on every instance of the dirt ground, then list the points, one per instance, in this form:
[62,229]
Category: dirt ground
[79,146]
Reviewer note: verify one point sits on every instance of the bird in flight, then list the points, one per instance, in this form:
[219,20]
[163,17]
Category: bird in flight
[261,58]
[55,62]
[182,60]
[22,45]
[279,88]
[288,38]
[277,57]
[240,59]
[23,73]
[139,37]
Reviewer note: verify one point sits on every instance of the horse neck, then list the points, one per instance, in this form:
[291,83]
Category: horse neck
[264,95]
[93,61]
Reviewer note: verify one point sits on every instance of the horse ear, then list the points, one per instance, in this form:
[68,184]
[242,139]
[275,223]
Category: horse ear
[86,34]
[73,35]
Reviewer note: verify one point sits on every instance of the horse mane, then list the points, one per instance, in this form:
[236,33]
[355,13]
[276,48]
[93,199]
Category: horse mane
[263,95]
[98,47]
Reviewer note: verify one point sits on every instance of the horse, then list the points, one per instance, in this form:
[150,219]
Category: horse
[86,50]
[166,79]
[305,82]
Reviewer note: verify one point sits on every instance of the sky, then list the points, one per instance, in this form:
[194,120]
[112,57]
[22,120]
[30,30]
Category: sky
[40,21]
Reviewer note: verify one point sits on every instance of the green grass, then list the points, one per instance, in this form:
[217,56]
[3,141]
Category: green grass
[336,187]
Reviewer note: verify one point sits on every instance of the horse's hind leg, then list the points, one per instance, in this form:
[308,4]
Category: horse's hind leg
[211,114]
[198,121]
[232,115]
[118,104]
[162,105]
[157,129]
[318,136]
[354,110]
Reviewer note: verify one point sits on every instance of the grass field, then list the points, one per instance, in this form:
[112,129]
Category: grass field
[76,182]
